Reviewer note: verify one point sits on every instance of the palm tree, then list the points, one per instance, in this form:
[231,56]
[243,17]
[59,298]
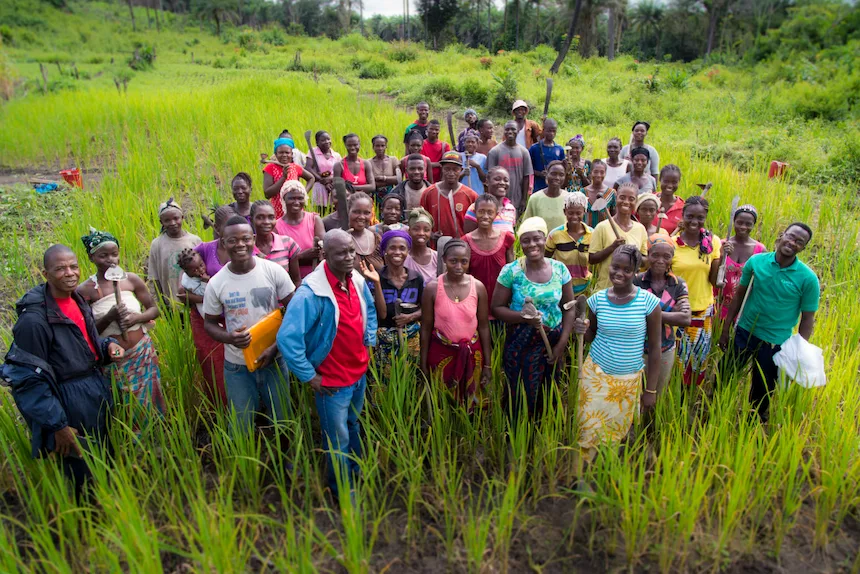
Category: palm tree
[647,17]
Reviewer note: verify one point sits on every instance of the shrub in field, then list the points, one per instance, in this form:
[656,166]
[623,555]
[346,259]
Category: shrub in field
[143,57]
[678,79]
[295,29]
[442,88]
[402,52]
[273,36]
[247,40]
[504,93]
[473,93]
[374,70]
[486,62]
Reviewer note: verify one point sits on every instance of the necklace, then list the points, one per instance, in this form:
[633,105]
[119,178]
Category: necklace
[363,250]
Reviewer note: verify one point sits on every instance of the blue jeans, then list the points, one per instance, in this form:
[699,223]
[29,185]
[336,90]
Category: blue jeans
[338,414]
[245,391]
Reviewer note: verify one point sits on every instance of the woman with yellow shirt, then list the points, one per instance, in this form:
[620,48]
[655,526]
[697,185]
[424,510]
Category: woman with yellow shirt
[697,261]
[603,240]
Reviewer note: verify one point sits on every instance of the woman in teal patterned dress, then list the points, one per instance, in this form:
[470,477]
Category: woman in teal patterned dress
[548,283]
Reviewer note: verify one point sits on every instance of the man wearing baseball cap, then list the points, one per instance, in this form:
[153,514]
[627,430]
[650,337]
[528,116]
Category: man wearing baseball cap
[528,131]
[448,199]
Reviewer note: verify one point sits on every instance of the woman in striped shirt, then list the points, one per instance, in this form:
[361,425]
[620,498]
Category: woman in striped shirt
[619,318]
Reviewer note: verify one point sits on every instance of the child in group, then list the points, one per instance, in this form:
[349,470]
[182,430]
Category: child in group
[392,212]
[615,167]
[413,146]
[194,277]
[579,169]
[548,204]
[492,248]
[647,205]
[433,148]
[597,189]
[164,252]
[569,243]
[474,163]
[544,152]
[419,126]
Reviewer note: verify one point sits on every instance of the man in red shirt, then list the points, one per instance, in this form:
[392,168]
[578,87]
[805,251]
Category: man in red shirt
[329,324]
[434,148]
[53,367]
[448,200]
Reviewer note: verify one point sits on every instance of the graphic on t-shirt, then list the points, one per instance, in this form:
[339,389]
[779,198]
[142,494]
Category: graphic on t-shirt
[263,297]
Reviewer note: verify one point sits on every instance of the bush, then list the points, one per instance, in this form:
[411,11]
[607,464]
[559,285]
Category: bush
[473,93]
[442,88]
[6,36]
[486,62]
[374,70]
[402,52]
[247,40]
[273,36]
[295,29]
[678,80]
[504,94]
[143,57]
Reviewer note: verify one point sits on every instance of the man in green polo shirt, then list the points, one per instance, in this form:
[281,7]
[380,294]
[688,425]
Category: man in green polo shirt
[781,288]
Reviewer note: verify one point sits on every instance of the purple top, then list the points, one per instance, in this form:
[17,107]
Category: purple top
[209,252]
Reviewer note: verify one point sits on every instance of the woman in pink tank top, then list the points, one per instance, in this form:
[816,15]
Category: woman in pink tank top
[304,227]
[354,170]
[455,330]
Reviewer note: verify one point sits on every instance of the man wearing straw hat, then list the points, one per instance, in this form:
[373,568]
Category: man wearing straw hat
[528,131]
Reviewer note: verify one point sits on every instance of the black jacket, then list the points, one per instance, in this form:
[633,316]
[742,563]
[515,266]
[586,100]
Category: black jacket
[53,373]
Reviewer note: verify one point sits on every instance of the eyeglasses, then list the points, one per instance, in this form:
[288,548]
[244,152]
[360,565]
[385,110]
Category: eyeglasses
[233,241]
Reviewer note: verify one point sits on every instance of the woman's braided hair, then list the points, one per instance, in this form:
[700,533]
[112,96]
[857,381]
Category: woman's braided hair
[633,253]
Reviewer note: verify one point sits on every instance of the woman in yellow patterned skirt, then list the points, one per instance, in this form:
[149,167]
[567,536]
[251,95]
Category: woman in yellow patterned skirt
[619,318]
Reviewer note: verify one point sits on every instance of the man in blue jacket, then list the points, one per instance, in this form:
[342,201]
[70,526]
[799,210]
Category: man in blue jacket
[53,367]
[329,324]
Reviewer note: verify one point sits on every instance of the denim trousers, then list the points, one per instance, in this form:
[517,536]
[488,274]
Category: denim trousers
[246,390]
[341,430]
[765,373]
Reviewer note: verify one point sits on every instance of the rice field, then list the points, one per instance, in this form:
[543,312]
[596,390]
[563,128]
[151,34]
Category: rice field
[441,491]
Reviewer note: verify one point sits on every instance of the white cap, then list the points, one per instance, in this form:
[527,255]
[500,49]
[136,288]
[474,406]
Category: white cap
[519,104]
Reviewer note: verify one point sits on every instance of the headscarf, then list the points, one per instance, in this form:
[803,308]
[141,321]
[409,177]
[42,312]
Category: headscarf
[658,238]
[289,186]
[420,215]
[578,139]
[640,151]
[169,204]
[645,197]
[284,141]
[469,111]
[98,239]
[471,133]
[394,234]
[576,199]
[746,208]
[532,224]
[452,243]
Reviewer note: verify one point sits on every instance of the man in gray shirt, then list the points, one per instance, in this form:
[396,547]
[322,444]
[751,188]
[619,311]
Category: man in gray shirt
[516,160]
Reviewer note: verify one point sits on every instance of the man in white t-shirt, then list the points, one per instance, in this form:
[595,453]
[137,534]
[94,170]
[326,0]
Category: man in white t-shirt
[245,290]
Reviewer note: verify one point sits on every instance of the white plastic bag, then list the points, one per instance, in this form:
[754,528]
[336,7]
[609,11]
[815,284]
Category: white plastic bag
[802,362]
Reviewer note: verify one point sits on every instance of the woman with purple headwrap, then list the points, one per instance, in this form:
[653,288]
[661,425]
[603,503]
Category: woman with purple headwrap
[397,294]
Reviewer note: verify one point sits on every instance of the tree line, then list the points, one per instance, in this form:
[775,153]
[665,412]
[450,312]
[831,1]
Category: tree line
[680,30]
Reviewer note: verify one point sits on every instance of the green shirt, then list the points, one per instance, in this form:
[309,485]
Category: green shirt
[777,298]
[551,209]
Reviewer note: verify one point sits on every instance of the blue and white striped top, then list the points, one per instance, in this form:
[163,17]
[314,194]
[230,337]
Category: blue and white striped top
[621,329]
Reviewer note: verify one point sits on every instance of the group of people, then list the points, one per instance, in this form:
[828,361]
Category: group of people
[423,264]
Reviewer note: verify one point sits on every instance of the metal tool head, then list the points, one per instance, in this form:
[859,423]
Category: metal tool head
[115,273]
[599,204]
[705,187]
